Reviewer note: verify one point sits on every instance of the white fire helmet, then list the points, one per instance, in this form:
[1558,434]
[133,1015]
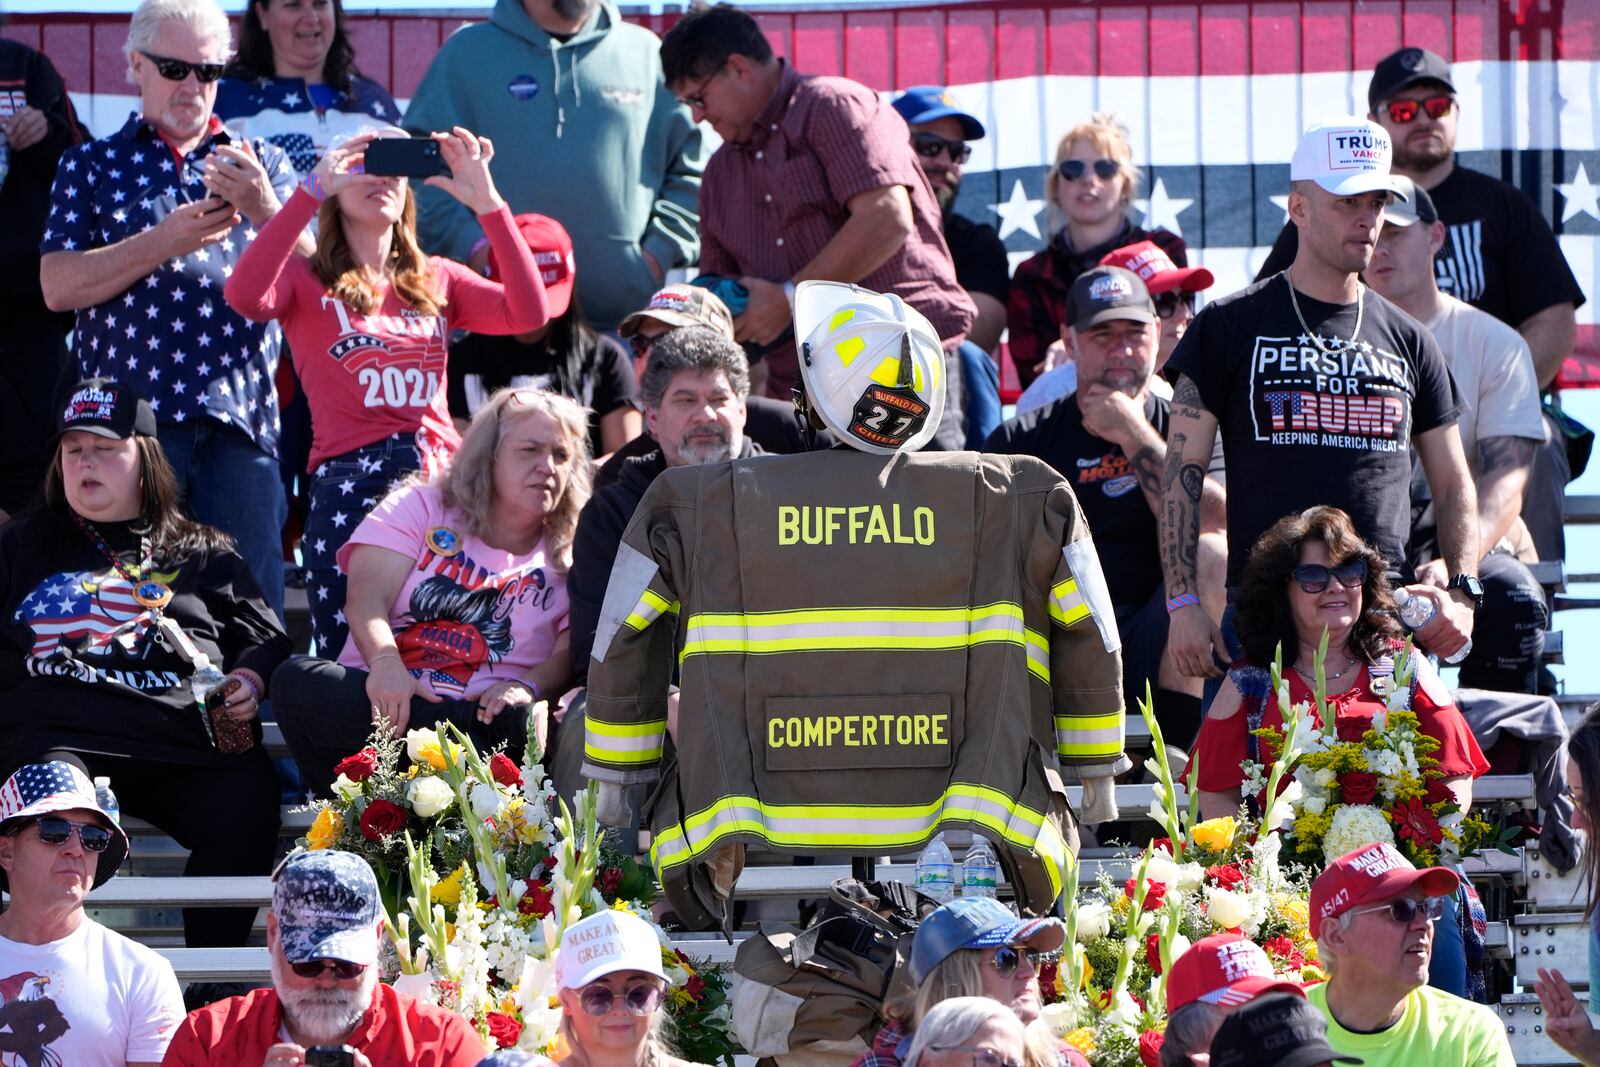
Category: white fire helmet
[871,367]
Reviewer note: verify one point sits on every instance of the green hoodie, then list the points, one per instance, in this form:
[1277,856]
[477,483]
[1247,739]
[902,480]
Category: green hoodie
[584,131]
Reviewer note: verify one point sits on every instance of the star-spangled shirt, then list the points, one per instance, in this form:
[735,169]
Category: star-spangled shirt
[170,335]
[303,120]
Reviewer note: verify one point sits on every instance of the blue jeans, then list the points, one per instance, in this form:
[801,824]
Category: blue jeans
[980,393]
[1448,968]
[227,481]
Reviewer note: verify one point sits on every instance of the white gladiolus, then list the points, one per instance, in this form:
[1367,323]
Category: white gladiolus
[1228,910]
[429,796]
[1180,945]
[1094,920]
[419,986]
[1125,1012]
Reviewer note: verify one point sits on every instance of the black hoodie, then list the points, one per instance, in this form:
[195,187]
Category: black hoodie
[27,79]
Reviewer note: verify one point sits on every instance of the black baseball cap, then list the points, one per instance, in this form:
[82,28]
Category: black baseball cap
[1416,207]
[1104,294]
[108,409]
[1276,1030]
[1397,70]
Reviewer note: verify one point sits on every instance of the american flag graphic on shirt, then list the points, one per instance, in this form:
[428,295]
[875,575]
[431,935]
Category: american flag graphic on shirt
[81,609]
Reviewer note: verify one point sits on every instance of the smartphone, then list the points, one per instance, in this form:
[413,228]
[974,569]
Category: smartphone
[330,1056]
[404,157]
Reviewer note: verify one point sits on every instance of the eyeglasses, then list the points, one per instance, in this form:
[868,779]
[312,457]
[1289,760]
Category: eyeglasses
[1405,909]
[1007,958]
[641,1000]
[1168,303]
[1073,169]
[316,968]
[981,1057]
[641,345]
[697,102]
[55,831]
[929,145]
[175,70]
[1314,577]
[1403,111]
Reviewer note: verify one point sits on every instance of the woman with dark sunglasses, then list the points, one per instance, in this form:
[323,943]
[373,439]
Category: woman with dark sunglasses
[1089,192]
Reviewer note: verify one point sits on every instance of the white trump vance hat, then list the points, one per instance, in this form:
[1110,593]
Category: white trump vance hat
[604,943]
[1346,156]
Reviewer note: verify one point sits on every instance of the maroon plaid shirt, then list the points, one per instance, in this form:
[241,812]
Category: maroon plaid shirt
[769,206]
[882,1053]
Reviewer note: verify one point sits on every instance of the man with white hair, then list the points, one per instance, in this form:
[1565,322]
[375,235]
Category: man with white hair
[323,932]
[145,228]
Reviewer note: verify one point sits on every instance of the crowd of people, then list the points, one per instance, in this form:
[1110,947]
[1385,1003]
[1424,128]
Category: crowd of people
[440,411]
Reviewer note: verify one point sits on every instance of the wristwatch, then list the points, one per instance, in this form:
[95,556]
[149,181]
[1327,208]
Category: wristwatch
[1470,585]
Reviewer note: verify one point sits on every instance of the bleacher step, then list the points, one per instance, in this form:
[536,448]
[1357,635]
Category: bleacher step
[1523,1018]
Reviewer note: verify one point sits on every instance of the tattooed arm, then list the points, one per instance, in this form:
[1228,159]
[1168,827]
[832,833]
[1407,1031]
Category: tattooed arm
[1192,638]
[1503,467]
[1149,462]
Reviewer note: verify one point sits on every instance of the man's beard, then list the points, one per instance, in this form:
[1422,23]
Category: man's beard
[323,1016]
[571,9]
[946,192]
[696,449]
[1408,159]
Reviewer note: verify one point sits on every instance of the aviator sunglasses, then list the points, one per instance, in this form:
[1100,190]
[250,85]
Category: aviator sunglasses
[1007,958]
[1405,909]
[641,1000]
[55,831]
[175,70]
[1073,169]
[1314,577]
[929,145]
[315,968]
[1403,111]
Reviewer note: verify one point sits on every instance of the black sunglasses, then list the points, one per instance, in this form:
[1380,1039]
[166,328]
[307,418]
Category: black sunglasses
[1007,958]
[175,70]
[1168,303]
[930,145]
[641,345]
[641,1000]
[341,970]
[1073,169]
[55,831]
[1405,909]
[1313,577]
[1404,111]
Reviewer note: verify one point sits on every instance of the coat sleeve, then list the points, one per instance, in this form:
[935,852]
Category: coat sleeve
[630,668]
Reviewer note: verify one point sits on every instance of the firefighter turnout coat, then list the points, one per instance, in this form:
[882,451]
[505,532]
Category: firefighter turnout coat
[870,649]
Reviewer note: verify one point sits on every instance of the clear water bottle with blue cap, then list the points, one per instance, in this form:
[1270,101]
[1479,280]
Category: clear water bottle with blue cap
[936,871]
[980,870]
[1416,612]
[107,799]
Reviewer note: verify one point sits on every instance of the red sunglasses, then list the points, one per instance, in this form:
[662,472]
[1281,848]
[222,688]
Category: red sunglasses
[1437,107]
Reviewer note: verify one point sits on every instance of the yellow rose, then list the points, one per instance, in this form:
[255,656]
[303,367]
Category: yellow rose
[1081,1039]
[325,831]
[1216,835]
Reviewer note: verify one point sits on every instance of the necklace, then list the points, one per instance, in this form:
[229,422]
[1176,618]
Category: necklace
[147,592]
[1310,333]
[1329,677]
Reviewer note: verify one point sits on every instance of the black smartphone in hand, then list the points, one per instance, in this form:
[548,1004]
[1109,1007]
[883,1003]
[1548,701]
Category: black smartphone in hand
[330,1056]
[404,157]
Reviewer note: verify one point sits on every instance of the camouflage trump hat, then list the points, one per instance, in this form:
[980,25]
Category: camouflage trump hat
[326,904]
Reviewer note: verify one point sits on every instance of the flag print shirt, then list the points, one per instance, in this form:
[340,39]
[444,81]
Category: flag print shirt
[368,377]
[170,334]
[302,119]
[84,666]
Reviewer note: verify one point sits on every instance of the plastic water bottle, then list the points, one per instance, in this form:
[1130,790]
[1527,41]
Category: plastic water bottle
[936,871]
[1417,611]
[107,799]
[980,870]
[205,678]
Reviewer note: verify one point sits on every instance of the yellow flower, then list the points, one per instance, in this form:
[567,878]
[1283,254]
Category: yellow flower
[1081,1039]
[324,833]
[1311,973]
[1308,949]
[1216,835]
[1120,904]
[449,931]
[449,890]
[1088,968]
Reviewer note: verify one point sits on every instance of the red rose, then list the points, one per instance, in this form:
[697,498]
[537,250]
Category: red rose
[1047,981]
[359,767]
[1438,793]
[1164,844]
[1358,787]
[550,862]
[537,901]
[381,819]
[504,1029]
[1228,876]
[1352,728]
[1152,952]
[504,771]
[1150,1048]
[1154,893]
[1413,820]
[695,987]
[1285,950]
[610,881]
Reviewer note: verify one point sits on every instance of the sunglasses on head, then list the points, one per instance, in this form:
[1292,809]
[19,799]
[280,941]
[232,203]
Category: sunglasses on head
[931,144]
[1404,910]
[175,70]
[1168,303]
[1404,111]
[981,1057]
[1007,958]
[1073,169]
[55,831]
[1314,577]
[641,1000]
[316,968]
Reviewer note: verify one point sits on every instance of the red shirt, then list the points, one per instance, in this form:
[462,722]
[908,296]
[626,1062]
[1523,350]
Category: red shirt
[399,1029]
[1221,746]
[769,206]
[368,377]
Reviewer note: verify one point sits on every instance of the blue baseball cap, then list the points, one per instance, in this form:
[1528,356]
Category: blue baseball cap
[929,103]
[977,922]
[326,904]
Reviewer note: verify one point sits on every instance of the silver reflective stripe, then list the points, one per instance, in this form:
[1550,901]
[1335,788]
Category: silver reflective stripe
[1085,567]
[631,575]
[608,743]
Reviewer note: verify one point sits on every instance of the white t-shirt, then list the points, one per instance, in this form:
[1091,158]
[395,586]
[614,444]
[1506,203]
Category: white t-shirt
[1493,370]
[93,999]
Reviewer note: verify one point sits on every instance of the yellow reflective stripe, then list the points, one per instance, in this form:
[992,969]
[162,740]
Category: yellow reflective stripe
[1066,604]
[649,609]
[614,742]
[1083,736]
[853,629]
[848,349]
[1038,656]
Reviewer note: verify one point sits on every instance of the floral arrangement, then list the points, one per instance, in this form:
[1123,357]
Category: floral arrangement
[481,868]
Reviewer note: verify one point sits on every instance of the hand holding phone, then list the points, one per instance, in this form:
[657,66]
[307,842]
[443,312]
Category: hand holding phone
[404,157]
[330,1056]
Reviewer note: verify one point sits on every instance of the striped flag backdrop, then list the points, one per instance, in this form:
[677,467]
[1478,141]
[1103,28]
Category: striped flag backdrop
[1214,94]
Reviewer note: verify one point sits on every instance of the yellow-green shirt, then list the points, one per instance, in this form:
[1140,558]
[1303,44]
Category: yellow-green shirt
[1437,1027]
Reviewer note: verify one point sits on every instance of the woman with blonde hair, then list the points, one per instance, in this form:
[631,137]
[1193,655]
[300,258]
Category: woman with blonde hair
[458,594]
[1090,192]
[368,319]
[968,1032]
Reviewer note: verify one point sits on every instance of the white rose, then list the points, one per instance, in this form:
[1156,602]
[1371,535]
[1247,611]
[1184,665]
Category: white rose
[1190,877]
[1125,1012]
[1161,869]
[1325,777]
[1228,910]
[1094,920]
[1180,945]
[345,789]
[1061,1018]
[417,740]
[1314,805]
[429,796]
[486,800]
